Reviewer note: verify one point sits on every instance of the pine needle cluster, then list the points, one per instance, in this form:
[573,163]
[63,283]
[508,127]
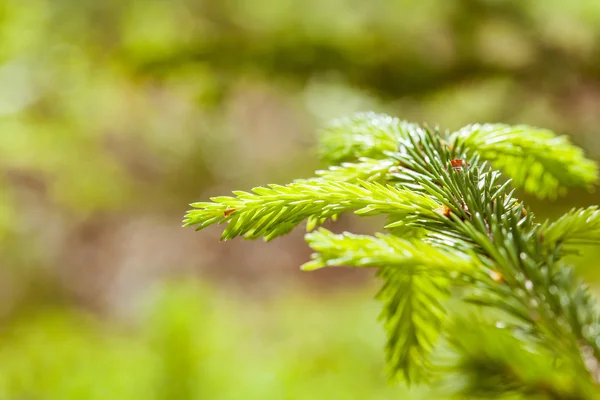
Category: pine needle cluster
[455,233]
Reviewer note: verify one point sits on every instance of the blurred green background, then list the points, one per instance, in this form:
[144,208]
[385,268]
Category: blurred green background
[115,114]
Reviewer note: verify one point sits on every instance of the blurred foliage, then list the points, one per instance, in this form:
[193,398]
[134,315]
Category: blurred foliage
[113,114]
[127,90]
[194,343]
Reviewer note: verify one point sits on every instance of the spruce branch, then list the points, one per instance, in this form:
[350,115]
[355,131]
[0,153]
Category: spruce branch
[366,251]
[274,210]
[362,135]
[491,362]
[365,169]
[574,229]
[417,278]
[453,222]
[536,159]
[413,315]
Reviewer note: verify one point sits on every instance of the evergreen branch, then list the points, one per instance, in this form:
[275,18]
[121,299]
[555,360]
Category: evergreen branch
[362,135]
[416,280]
[492,363]
[571,300]
[536,159]
[275,210]
[352,250]
[366,169]
[413,317]
[576,228]
[466,228]
[483,216]
[524,279]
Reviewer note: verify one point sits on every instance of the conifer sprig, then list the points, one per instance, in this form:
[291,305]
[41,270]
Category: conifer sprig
[274,210]
[493,362]
[365,169]
[413,315]
[362,135]
[453,222]
[536,159]
[574,229]
[367,251]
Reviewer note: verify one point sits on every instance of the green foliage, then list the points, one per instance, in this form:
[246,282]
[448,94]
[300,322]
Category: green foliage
[363,135]
[274,211]
[366,169]
[186,342]
[492,362]
[535,159]
[468,232]
[574,229]
[416,277]
[59,354]
[413,316]
[169,84]
[382,250]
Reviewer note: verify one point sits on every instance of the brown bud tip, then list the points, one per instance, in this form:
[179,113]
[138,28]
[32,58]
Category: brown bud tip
[458,163]
[444,210]
[496,276]
[229,211]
